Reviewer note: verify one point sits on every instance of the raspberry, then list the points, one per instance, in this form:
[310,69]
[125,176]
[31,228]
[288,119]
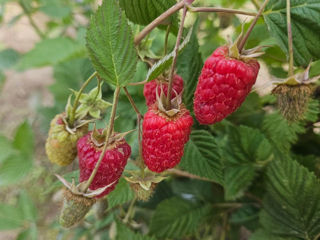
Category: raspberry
[293,100]
[149,90]
[61,145]
[111,167]
[164,137]
[223,85]
[74,208]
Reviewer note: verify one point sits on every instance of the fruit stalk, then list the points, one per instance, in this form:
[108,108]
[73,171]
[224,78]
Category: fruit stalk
[174,61]
[76,101]
[290,43]
[245,38]
[109,132]
[130,210]
[134,106]
[222,10]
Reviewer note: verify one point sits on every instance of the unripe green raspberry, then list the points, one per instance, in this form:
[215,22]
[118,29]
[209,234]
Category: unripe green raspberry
[61,145]
[75,208]
[293,100]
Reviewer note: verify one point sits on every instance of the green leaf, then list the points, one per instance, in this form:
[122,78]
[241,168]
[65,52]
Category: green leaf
[24,139]
[287,133]
[189,66]
[70,74]
[175,218]
[50,52]
[144,12]
[2,80]
[6,148]
[261,234]
[121,194]
[202,156]
[11,217]
[55,8]
[305,15]
[125,233]
[8,58]
[27,206]
[14,169]
[291,205]
[246,150]
[164,63]
[110,44]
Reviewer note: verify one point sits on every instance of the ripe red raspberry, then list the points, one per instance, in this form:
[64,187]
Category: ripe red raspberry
[164,137]
[223,85]
[111,167]
[149,90]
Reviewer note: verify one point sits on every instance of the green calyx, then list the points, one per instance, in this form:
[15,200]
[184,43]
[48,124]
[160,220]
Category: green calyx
[244,54]
[143,186]
[89,107]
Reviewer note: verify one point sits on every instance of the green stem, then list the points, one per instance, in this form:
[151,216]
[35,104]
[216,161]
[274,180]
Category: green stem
[290,43]
[130,210]
[76,102]
[109,132]
[33,24]
[134,106]
[166,40]
[174,61]
[256,4]
[158,21]
[224,226]
[99,89]
[245,38]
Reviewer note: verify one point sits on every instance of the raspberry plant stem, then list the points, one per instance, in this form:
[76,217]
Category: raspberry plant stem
[158,21]
[109,132]
[33,24]
[245,38]
[139,117]
[130,210]
[256,4]
[290,43]
[166,40]
[134,106]
[174,61]
[76,101]
[223,10]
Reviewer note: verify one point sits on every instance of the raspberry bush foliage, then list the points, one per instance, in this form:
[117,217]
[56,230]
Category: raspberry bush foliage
[171,120]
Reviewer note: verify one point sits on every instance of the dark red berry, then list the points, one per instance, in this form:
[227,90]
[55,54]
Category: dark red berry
[111,167]
[223,85]
[149,90]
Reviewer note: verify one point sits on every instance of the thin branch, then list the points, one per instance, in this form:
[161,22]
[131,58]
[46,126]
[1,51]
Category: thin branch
[134,106]
[181,173]
[290,43]
[137,83]
[166,40]
[109,132]
[158,21]
[130,210]
[33,24]
[256,4]
[223,10]
[245,38]
[174,61]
